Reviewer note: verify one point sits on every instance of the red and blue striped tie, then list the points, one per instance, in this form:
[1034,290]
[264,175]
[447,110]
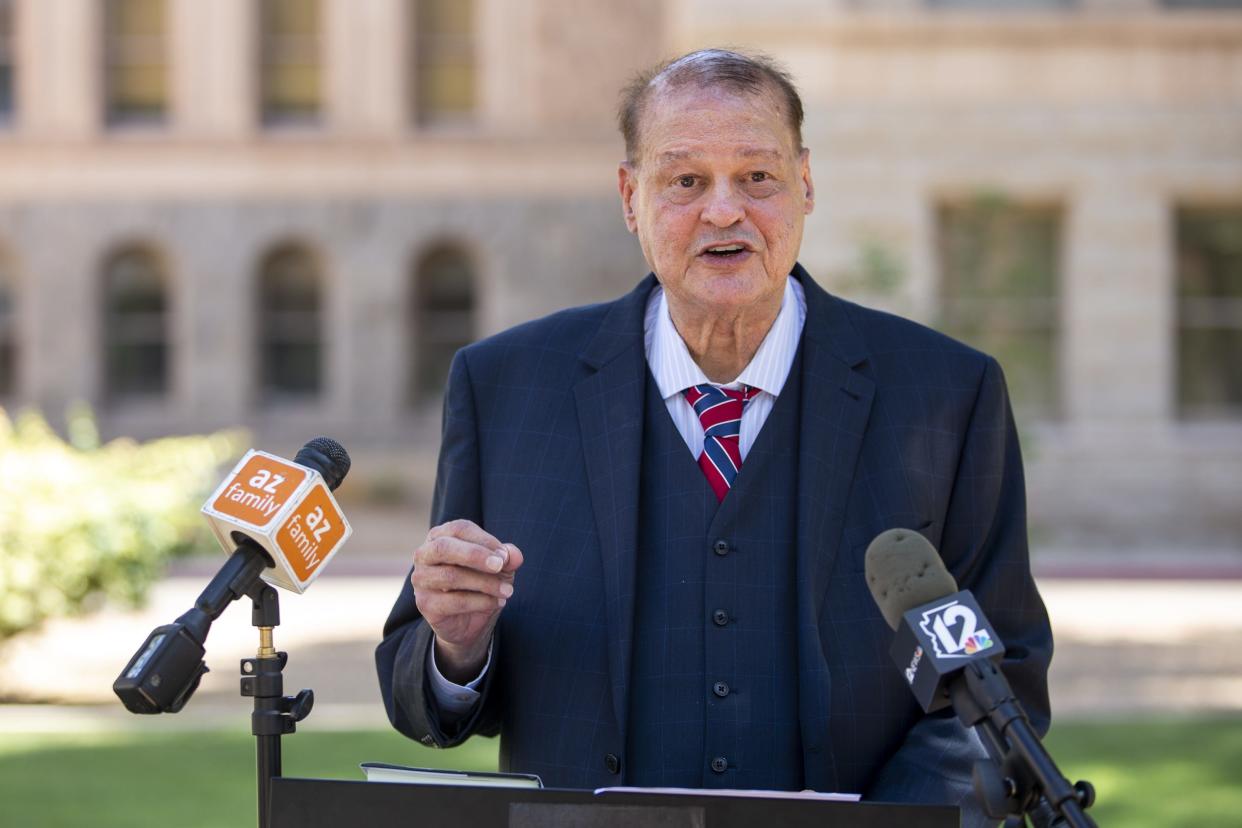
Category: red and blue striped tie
[720,412]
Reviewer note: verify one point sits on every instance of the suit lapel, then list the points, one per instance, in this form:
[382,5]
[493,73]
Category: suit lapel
[836,404]
[610,417]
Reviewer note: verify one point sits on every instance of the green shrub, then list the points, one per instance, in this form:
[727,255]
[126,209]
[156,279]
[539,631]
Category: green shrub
[80,521]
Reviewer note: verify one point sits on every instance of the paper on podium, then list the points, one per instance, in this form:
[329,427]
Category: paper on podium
[808,795]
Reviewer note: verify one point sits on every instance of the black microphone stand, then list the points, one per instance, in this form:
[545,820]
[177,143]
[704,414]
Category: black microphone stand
[275,714]
[165,671]
[1021,778]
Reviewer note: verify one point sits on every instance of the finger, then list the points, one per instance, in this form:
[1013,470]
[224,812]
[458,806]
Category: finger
[466,530]
[437,606]
[514,559]
[453,551]
[460,579]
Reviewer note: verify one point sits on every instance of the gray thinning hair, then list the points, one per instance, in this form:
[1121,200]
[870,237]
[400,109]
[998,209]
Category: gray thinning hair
[746,73]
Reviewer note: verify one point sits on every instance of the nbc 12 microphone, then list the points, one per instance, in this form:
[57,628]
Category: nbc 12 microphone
[281,524]
[950,655]
[939,629]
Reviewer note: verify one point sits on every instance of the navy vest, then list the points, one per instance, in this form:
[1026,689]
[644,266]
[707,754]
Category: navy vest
[714,687]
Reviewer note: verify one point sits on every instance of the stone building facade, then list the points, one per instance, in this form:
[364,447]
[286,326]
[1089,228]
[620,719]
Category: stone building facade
[289,211]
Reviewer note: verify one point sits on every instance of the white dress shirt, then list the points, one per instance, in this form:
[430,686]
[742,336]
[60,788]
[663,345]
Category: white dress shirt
[674,371]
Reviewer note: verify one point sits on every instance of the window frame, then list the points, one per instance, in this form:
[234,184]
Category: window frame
[117,56]
[427,52]
[1201,313]
[1026,317]
[313,47]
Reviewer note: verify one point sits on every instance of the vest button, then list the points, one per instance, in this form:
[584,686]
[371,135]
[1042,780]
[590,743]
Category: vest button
[721,547]
[612,763]
[720,689]
[720,617]
[720,764]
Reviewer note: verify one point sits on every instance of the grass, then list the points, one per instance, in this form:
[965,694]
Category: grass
[183,779]
[1149,774]
[1168,773]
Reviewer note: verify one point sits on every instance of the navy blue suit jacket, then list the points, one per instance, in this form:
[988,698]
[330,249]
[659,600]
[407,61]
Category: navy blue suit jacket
[900,427]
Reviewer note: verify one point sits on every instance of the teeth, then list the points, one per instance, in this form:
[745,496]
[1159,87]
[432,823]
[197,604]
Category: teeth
[728,248]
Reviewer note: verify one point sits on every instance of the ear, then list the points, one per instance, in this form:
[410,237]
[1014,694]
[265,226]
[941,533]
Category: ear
[807,184]
[627,181]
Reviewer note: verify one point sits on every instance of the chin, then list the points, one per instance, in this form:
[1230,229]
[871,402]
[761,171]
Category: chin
[740,287]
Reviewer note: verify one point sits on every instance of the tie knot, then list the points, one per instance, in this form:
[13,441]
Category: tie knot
[719,409]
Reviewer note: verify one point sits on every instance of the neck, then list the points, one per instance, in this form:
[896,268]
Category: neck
[723,345]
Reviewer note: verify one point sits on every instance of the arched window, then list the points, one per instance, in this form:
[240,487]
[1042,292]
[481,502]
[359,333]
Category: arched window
[135,325]
[442,316]
[8,330]
[290,320]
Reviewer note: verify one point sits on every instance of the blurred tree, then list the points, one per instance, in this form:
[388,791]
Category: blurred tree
[80,521]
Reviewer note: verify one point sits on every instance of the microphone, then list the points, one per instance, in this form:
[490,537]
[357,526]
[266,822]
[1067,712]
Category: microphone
[950,655]
[282,525]
[286,509]
[939,628]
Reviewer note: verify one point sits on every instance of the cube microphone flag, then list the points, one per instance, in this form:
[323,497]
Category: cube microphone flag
[285,508]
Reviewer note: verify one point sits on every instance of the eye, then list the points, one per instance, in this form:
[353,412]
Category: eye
[685,181]
[759,177]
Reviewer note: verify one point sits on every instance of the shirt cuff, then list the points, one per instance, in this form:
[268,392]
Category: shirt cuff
[452,698]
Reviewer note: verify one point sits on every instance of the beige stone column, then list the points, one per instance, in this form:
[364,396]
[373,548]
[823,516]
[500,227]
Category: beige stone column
[213,72]
[64,360]
[1118,310]
[214,358]
[59,60]
[366,303]
[505,48]
[365,66]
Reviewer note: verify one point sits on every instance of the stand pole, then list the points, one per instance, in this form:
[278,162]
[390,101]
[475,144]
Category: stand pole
[275,714]
[1035,786]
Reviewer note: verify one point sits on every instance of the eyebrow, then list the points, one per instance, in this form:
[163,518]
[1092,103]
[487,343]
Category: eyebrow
[745,152]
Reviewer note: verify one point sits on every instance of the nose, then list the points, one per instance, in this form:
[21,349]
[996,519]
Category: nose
[724,206]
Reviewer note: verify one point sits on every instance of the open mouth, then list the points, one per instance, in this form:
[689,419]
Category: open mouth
[725,252]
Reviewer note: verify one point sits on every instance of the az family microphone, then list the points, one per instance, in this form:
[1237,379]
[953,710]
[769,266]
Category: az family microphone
[950,655]
[285,508]
[281,524]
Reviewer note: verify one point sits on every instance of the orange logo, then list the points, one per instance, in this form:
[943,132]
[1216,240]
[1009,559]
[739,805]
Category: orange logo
[259,489]
[311,532]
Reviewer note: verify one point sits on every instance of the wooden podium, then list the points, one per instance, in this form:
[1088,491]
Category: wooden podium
[319,803]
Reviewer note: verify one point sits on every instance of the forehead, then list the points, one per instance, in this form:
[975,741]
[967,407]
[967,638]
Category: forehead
[692,120]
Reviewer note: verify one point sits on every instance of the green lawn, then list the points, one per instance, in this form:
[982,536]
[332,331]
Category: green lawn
[1150,774]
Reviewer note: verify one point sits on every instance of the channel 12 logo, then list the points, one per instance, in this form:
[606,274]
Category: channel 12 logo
[953,631]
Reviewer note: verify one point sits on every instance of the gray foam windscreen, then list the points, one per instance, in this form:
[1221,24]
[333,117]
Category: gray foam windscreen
[903,571]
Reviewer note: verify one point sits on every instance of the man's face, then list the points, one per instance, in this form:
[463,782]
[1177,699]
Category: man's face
[717,195]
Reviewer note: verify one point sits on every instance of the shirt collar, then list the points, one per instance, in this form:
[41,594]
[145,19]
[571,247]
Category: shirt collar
[675,370]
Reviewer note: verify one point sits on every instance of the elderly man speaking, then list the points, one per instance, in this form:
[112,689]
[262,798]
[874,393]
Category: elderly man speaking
[650,515]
